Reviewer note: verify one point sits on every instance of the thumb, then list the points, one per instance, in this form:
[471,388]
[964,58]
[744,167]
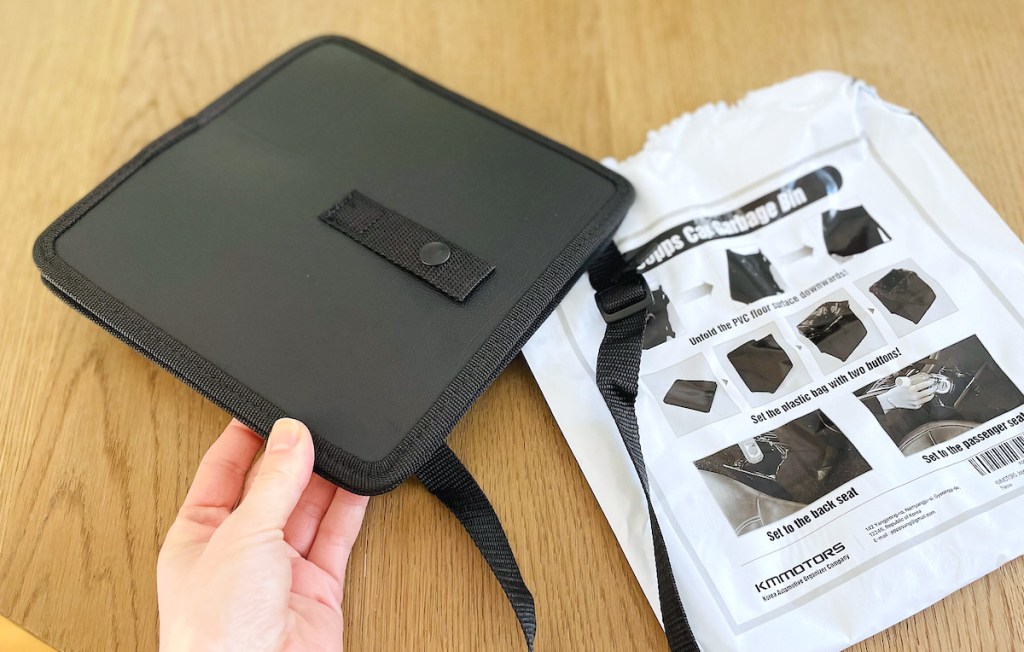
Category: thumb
[283,474]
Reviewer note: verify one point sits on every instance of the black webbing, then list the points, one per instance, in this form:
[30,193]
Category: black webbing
[446,477]
[618,370]
[401,240]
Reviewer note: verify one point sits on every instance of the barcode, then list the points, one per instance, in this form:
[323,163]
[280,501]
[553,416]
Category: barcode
[999,456]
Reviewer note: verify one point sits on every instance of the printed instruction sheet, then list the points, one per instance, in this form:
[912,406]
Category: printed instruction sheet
[831,403]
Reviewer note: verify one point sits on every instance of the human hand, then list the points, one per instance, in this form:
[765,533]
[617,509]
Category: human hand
[910,392]
[257,563]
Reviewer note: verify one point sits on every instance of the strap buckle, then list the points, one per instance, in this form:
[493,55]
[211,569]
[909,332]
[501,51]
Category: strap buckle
[627,297]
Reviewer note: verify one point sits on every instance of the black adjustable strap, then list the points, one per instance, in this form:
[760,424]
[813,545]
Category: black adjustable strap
[446,477]
[624,299]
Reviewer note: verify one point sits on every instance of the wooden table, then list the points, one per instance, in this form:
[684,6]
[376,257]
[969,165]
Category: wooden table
[99,445]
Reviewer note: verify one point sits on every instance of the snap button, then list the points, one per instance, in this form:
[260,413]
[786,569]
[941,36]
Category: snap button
[435,253]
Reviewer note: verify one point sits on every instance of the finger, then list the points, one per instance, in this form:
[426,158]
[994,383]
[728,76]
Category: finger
[221,474]
[253,472]
[923,384]
[337,534]
[302,525]
[284,473]
[919,377]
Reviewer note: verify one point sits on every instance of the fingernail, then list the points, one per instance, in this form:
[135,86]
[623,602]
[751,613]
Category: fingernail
[284,435]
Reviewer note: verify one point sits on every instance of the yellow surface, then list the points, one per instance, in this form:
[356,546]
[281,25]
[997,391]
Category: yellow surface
[14,638]
[98,445]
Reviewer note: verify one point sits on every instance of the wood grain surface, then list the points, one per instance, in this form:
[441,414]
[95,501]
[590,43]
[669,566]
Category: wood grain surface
[98,445]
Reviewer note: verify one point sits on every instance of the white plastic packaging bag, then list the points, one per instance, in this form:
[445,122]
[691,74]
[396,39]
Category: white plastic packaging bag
[829,394]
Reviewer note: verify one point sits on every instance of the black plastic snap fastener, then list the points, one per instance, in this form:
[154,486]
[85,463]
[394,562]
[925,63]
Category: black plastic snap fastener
[435,253]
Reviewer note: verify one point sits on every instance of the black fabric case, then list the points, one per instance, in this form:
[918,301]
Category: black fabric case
[265,252]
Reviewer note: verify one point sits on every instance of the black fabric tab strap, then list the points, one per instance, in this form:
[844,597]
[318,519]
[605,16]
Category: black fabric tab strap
[624,298]
[446,477]
[413,247]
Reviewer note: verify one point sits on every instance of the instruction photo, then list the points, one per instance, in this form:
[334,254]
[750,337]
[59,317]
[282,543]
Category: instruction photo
[941,396]
[772,475]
